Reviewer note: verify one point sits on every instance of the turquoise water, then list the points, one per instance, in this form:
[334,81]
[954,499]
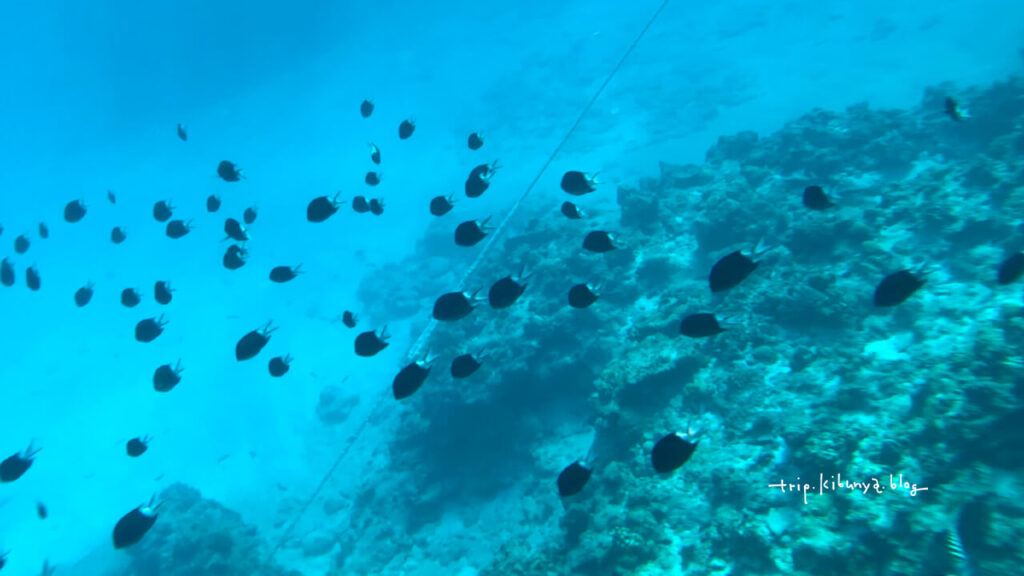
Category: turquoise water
[91,97]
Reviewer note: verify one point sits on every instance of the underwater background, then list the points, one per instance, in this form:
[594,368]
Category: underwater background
[709,122]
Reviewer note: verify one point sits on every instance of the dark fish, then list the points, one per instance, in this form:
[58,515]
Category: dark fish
[234,257]
[235,230]
[895,288]
[111,197]
[360,204]
[7,273]
[84,294]
[573,478]
[212,203]
[16,465]
[32,279]
[366,108]
[228,171]
[41,511]
[506,291]
[369,343]
[734,268]
[44,232]
[372,178]
[700,325]
[454,306]
[815,198]
[136,446]
[130,529]
[954,110]
[476,141]
[376,206]
[74,211]
[599,241]
[147,330]
[1011,269]
[166,377]
[470,232]
[671,452]
[117,235]
[130,298]
[162,292]
[279,365]
[178,228]
[582,295]
[571,211]
[480,179]
[577,183]
[3,559]
[349,319]
[251,344]
[321,208]
[249,216]
[411,378]
[405,129]
[21,244]
[441,205]
[282,274]
[182,133]
[465,365]
[163,210]
[374,153]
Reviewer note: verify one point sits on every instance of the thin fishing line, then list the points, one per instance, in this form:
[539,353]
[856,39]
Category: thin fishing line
[420,343]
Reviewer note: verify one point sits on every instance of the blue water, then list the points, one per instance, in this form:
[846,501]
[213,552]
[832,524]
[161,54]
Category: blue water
[90,94]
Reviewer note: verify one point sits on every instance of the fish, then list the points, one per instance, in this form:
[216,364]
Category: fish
[279,365]
[815,198]
[149,329]
[734,268]
[163,210]
[475,141]
[406,128]
[360,205]
[599,242]
[111,197]
[583,295]
[321,208]
[572,211]
[282,274]
[369,343]
[178,228]
[7,272]
[84,294]
[471,232]
[366,108]
[249,346]
[162,292]
[573,478]
[212,203]
[479,179]
[32,279]
[182,133]
[349,319]
[895,288]
[954,110]
[41,511]
[21,244]
[234,257]
[1011,269]
[130,297]
[117,235]
[235,230]
[249,215]
[376,206]
[228,171]
[465,365]
[137,446]
[374,153]
[441,205]
[372,178]
[410,378]
[74,211]
[507,290]
[133,526]
[672,451]
[454,306]
[166,377]
[44,232]
[16,465]
[578,183]
[700,325]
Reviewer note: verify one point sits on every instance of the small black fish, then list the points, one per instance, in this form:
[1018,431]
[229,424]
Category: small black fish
[235,230]
[44,232]
[234,257]
[84,294]
[366,108]
[16,465]
[815,198]
[163,210]
[578,184]
[149,329]
[376,206]
[279,365]
[599,241]
[372,178]
[212,203]
[405,129]
[249,346]
[349,319]
[282,274]
[117,235]
[671,452]
[470,232]
[162,292]
[734,268]
[21,244]
[249,216]
[374,153]
[131,528]
[573,478]
[410,378]
[479,179]
[74,211]
[454,306]
[476,141]
[41,511]
[130,298]
[571,211]
[228,171]
[111,197]
[166,377]
[465,365]
[321,208]
[32,279]
[895,288]
[3,559]
[506,291]
[360,204]
[582,295]
[182,133]
[369,343]
[700,325]
[1011,269]
[7,273]
[136,446]
[954,110]
[441,205]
